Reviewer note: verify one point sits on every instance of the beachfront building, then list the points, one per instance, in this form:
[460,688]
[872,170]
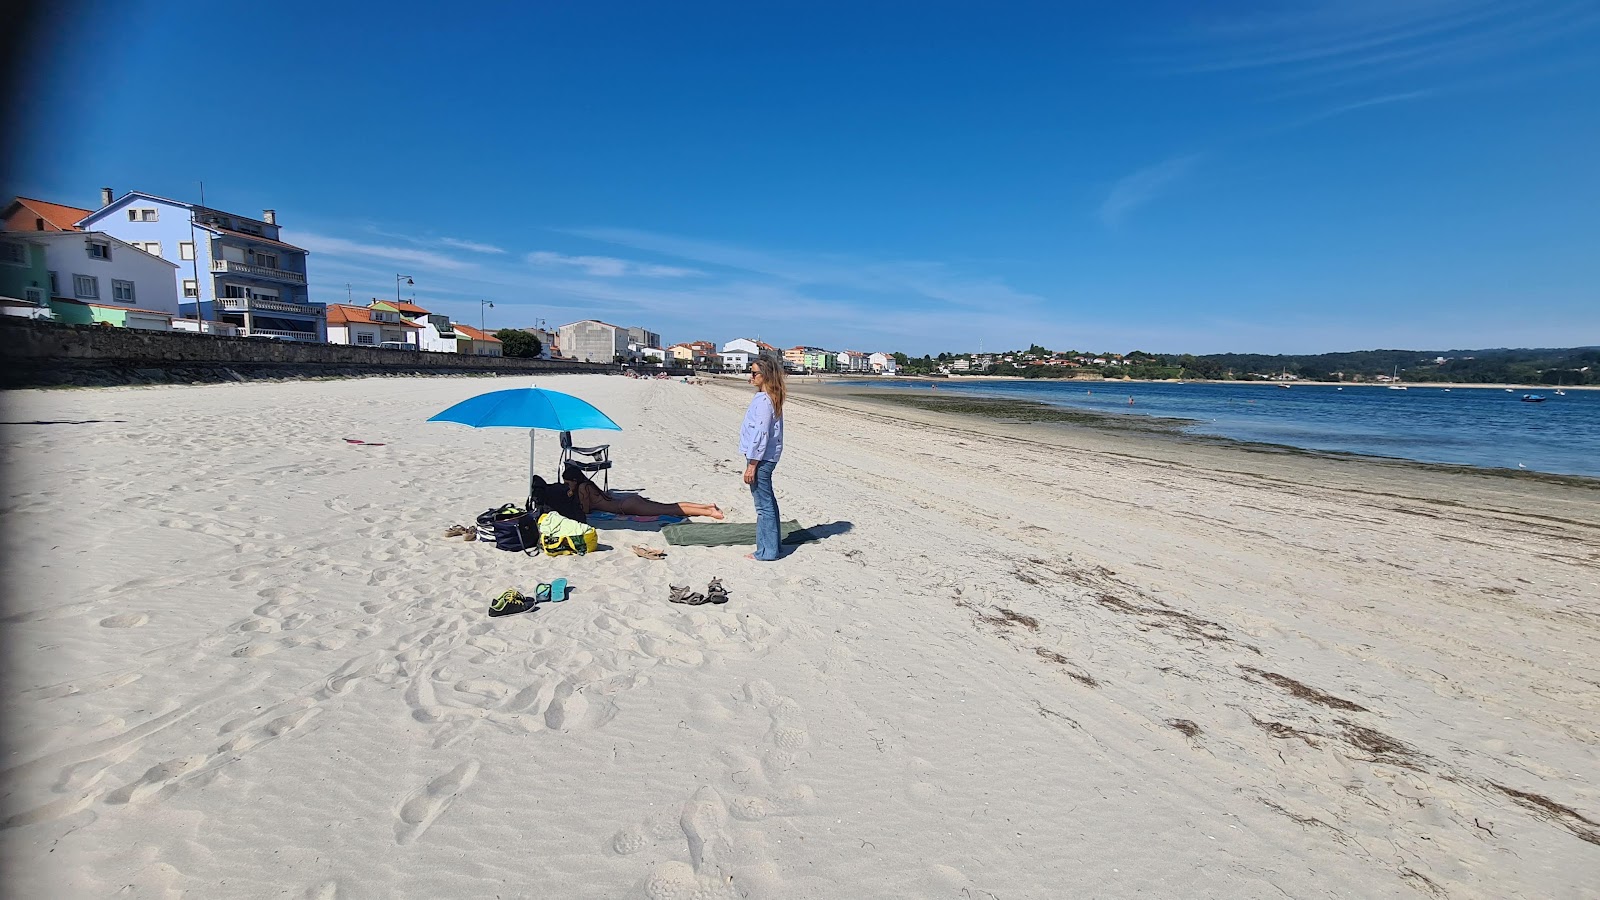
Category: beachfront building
[368,326]
[91,275]
[473,342]
[227,266]
[883,363]
[592,340]
[698,354]
[853,361]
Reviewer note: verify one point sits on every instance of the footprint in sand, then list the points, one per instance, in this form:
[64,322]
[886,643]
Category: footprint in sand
[156,778]
[424,805]
[125,620]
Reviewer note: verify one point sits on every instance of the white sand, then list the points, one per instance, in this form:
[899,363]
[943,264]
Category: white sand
[244,663]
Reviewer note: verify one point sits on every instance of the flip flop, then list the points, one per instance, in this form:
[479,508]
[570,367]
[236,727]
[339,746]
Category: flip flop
[715,592]
[685,596]
[353,441]
[649,552]
[558,590]
[541,594]
[456,530]
[509,604]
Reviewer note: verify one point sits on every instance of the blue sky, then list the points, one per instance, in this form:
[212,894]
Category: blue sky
[1265,177]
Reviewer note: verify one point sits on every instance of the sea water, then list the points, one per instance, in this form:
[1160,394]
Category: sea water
[1483,427]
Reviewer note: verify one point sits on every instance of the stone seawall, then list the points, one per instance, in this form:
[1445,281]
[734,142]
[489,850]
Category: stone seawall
[43,354]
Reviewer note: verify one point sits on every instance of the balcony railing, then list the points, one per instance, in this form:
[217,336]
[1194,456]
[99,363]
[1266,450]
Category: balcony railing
[257,304]
[290,335]
[238,268]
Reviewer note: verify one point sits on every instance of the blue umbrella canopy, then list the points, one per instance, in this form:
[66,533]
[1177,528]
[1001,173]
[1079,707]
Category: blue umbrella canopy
[528,407]
[531,408]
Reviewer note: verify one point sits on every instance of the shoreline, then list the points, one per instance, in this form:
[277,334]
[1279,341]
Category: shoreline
[1045,418]
[1422,385]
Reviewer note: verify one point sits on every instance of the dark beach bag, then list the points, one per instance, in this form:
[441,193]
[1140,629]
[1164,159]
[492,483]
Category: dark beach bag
[510,527]
[557,497]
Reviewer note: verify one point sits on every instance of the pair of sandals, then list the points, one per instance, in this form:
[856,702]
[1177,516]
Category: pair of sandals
[461,531]
[649,552]
[715,593]
[514,601]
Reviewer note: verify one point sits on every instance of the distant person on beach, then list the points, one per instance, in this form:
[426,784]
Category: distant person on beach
[591,498]
[761,442]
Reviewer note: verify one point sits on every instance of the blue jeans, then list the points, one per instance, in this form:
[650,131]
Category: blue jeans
[766,502]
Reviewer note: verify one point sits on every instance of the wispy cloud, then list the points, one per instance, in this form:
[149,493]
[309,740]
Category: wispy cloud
[607,266]
[474,246]
[905,280]
[1326,44]
[337,246]
[1142,187]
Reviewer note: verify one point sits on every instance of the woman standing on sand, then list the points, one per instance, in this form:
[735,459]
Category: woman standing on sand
[761,442]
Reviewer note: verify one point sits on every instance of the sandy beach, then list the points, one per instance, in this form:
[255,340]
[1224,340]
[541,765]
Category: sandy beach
[1023,661]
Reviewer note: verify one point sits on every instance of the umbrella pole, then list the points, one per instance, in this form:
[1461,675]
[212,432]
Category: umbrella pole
[531,470]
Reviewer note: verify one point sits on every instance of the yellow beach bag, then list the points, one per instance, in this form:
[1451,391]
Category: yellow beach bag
[560,536]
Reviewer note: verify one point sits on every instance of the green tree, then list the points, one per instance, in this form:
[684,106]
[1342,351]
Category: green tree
[514,342]
[1036,350]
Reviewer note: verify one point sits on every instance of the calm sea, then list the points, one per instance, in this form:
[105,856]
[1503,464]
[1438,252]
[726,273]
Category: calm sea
[1485,427]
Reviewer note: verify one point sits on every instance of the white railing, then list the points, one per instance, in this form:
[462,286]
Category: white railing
[292,335]
[259,304]
[239,268]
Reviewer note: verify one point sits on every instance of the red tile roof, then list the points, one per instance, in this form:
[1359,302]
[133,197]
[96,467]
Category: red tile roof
[340,314]
[56,216]
[475,334]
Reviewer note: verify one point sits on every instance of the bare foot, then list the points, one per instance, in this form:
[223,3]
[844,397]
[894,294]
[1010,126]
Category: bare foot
[716,511]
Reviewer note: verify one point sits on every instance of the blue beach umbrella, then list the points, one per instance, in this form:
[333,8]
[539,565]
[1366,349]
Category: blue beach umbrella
[531,408]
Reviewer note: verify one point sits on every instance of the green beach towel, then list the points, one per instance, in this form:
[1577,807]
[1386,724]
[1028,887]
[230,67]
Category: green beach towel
[722,534]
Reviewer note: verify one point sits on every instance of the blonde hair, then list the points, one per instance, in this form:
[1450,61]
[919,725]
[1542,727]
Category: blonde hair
[772,382]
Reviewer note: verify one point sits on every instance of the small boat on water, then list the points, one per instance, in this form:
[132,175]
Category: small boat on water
[1532,398]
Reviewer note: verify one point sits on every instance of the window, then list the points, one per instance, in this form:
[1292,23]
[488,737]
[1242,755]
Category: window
[33,295]
[267,260]
[186,249]
[190,289]
[151,247]
[14,253]
[363,337]
[121,291]
[99,250]
[142,215]
[86,287]
[55,288]
[236,291]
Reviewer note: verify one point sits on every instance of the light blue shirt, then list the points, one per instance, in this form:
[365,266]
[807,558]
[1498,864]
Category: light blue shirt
[761,436]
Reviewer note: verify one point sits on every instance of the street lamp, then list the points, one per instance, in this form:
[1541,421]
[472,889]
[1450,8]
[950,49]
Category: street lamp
[482,305]
[397,286]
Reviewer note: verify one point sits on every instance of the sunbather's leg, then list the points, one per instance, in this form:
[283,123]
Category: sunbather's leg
[630,505]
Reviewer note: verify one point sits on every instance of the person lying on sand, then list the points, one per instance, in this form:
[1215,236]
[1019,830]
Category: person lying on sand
[592,498]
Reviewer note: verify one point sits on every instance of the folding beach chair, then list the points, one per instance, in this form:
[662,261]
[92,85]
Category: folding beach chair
[598,459]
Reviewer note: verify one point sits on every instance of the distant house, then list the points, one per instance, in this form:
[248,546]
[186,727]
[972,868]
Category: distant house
[883,363]
[227,266]
[853,361]
[472,342]
[434,331]
[737,353]
[363,326]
